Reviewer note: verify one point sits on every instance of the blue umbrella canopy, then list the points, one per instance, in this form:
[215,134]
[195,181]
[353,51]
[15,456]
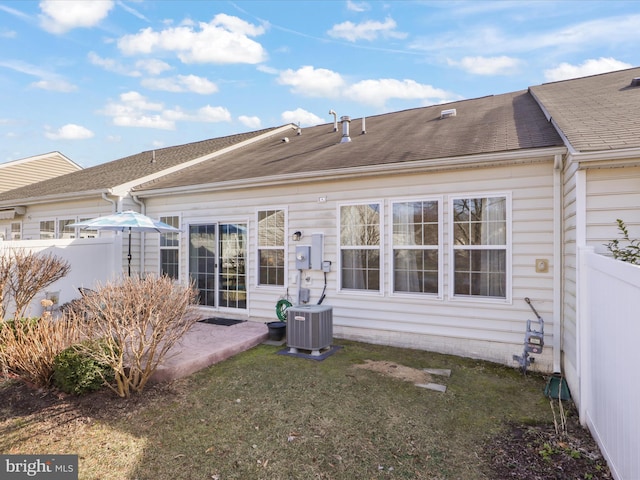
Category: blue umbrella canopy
[126,221]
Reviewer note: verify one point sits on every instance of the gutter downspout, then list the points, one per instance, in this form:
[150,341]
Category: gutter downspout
[113,202]
[558,236]
[143,210]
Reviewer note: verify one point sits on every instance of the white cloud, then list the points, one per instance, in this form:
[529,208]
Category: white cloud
[134,110]
[502,65]
[377,92]
[302,117]
[181,83]
[153,66]
[565,71]
[54,85]
[112,65]
[357,6]
[313,82]
[60,17]
[250,122]
[69,131]
[8,33]
[369,30]
[224,40]
[48,80]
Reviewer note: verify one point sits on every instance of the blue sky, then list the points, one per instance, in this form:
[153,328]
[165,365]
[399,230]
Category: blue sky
[101,80]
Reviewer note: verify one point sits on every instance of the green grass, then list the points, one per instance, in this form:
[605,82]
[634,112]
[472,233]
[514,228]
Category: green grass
[260,415]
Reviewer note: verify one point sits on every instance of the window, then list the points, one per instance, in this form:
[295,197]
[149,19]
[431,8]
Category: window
[416,238]
[360,247]
[271,236]
[16,231]
[47,229]
[480,239]
[85,232]
[64,231]
[170,249]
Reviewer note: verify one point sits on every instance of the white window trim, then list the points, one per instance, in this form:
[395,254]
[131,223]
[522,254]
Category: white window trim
[509,248]
[347,291]
[441,249]
[256,247]
[179,247]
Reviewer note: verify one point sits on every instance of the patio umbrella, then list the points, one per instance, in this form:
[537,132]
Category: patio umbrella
[126,221]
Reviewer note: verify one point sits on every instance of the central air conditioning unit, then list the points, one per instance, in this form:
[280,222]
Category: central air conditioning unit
[309,327]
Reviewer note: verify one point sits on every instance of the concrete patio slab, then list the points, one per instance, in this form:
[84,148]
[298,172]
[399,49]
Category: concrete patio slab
[206,344]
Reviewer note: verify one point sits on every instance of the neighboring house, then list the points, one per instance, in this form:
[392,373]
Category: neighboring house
[47,207]
[26,171]
[433,224]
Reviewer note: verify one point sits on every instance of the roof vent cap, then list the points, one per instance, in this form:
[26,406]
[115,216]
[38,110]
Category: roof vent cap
[448,113]
[635,82]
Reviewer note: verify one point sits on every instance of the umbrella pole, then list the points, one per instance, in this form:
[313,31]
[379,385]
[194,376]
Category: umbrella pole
[129,254]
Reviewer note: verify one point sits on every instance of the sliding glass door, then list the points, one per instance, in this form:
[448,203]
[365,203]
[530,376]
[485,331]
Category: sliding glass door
[217,263]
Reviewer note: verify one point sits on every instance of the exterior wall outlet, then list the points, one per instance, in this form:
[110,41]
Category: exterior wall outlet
[542,265]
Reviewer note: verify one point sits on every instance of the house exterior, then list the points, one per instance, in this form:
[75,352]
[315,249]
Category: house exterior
[43,210]
[26,171]
[597,118]
[426,228]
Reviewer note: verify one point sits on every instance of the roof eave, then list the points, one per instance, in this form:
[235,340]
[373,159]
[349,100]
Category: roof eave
[624,157]
[53,198]
[448,163]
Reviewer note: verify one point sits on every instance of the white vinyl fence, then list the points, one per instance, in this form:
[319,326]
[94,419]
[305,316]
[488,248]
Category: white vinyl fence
[609,359]
[91,259]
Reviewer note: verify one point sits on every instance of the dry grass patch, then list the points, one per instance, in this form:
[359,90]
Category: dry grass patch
[260,415]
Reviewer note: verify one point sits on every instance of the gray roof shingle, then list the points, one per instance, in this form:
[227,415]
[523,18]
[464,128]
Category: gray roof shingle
[118,172]
[595,113]
[490,124]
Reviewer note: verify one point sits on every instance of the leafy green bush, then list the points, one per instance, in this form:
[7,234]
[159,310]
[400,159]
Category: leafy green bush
[628,250]
[76,371]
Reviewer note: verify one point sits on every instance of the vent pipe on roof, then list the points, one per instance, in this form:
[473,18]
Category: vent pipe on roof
[153,156]
[448,113]
[364,125]
[345,129]
[335,120]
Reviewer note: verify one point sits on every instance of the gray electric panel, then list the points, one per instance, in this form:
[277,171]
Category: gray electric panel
[303,262]
[317,248]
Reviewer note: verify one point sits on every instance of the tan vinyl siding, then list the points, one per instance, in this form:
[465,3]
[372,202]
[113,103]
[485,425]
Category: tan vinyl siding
[569,339]
[612,193]
[484,329]
[21,173]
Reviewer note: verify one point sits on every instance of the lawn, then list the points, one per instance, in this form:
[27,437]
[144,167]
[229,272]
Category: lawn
[260,415]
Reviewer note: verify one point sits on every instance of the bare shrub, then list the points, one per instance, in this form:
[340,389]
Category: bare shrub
[24,274]
[140,320]
[28,346]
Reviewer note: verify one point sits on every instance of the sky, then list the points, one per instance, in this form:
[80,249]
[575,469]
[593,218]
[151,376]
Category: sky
[105,79]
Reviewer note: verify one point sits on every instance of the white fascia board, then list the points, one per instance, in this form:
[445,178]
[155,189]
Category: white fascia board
[625,157]
[53,198]
[125,188]
[438,164]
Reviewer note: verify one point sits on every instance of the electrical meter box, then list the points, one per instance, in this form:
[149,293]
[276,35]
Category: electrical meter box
[303,254]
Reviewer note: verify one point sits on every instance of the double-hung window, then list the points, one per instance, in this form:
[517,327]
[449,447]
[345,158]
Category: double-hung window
[360,227]
[47,229]
[64,231]
[416,246]
[16,231]
[170,248]
[480,243]
[271,237]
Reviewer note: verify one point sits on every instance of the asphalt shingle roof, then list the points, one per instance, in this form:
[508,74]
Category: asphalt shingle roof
[492,124]
[128,169]
[596,113]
